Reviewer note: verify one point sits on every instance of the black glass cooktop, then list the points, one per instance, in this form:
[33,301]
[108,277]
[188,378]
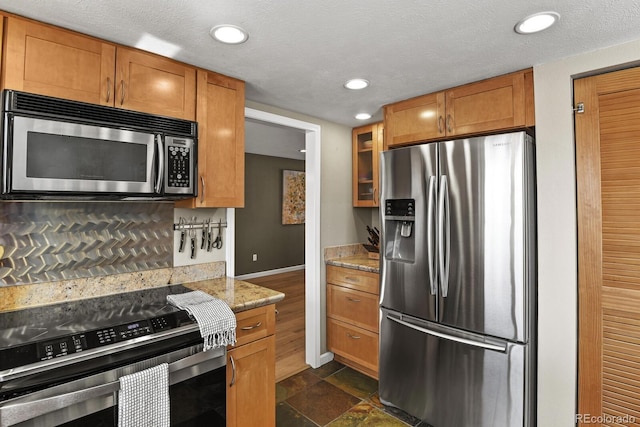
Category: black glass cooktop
[41,333]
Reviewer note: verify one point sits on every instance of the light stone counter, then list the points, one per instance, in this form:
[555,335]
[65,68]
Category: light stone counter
[351,256]
[209,278]
[238,294]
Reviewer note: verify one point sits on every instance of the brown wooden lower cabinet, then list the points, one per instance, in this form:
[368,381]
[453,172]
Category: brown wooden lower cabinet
[352,318]
[251,367]
[354,347]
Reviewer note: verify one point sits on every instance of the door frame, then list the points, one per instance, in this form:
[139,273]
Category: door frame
[313,255]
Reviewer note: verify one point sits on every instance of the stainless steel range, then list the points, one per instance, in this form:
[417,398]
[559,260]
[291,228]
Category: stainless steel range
[60,364]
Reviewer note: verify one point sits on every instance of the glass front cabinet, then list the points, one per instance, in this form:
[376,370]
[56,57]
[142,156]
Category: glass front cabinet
[367,144]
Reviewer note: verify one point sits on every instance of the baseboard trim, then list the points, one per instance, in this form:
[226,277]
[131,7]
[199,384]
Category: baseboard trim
[270,272]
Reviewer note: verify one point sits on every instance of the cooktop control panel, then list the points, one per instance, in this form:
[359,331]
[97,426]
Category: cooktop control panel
[49,349]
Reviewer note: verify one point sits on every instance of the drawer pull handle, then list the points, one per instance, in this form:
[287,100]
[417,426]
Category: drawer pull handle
[248,328]
[355,337]
[351,279]
[353,299]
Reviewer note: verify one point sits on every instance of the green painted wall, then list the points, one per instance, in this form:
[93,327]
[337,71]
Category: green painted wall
[259,228]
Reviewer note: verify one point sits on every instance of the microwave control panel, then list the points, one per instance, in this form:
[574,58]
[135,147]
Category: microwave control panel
[179,154]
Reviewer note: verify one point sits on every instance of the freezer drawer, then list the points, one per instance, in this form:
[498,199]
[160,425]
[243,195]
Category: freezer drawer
[462,380]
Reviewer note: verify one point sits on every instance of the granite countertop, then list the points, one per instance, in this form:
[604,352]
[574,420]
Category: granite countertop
[351,256]
[210,278]
[238,294]
[357,262]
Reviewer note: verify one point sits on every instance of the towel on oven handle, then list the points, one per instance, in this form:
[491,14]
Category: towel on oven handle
[216,320]
[143,400]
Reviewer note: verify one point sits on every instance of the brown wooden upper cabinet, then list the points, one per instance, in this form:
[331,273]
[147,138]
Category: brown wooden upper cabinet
[367,143]
[500,103]
[220,142]
[52,61]
[154,84]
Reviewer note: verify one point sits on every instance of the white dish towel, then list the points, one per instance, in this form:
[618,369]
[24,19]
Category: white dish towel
[216,320]
[143,400]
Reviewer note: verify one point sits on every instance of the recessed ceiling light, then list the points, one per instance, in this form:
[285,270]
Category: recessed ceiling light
[230,34]
[303,150]
[536,22]
[363,116]
[356,84]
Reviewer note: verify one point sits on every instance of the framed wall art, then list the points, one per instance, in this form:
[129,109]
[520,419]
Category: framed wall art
[293,197]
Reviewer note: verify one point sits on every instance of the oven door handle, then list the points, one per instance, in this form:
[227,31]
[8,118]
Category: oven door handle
[15,413]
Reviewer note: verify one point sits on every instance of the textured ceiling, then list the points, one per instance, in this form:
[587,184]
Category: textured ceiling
[300,52]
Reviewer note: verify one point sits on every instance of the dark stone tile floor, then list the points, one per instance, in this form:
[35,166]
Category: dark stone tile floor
[335,396]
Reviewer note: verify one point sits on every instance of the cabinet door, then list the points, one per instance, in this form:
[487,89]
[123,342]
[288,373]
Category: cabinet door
[366,149]
[251,384]
[489,105]
[156,85]
[50,61]
[220,142]
[414,120]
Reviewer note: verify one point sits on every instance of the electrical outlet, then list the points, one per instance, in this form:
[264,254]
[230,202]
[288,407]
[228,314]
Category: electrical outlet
[255,257]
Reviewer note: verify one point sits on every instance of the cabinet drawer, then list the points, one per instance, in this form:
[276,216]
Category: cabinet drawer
[354,279]
[255,324]
[351,306]
[353,343]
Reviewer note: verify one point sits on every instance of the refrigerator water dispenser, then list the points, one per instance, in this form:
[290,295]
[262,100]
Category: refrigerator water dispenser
[399,217]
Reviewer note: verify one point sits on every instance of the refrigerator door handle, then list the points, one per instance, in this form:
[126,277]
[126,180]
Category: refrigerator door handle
[431,206]
[444,235]
[498,346]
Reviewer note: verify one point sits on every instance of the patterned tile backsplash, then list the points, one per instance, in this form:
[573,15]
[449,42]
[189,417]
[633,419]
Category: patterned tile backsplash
[53,241]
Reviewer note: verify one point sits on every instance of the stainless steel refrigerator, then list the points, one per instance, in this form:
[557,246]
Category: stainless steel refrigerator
[458,281]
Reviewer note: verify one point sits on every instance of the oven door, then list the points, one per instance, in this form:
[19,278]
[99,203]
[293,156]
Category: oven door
[197,394]
[48,156]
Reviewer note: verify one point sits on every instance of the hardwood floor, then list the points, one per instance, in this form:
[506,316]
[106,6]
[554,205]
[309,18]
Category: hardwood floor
[290,357]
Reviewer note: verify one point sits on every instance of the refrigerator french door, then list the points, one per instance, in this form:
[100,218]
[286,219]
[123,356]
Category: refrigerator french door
[457,333]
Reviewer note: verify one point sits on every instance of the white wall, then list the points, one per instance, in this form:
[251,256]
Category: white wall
[557,245]
[202,256]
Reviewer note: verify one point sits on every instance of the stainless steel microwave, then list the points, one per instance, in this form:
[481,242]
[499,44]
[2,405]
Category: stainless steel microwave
[59,149]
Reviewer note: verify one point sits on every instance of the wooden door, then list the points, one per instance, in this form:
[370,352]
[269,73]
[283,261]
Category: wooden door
[414,120]
[251,384]
[489,105]
[154,84]
[220,142]
[51,61]
[608,190]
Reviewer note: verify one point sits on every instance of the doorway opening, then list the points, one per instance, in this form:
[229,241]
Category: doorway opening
[312,258]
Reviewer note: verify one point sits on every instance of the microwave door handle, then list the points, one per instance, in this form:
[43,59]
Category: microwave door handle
[160,152]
